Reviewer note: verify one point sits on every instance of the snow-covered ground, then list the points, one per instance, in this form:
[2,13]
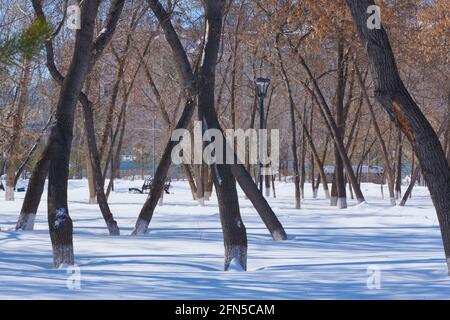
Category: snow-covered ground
[330,253]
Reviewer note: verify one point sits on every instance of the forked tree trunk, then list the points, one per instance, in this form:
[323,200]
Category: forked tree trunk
[239,172]
[60,141]
[235,240]
[261,205]
[234,232]
[60,224]
[395,98]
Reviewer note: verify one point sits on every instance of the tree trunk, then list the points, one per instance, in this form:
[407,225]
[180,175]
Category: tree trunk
[407,194]
[33,194]
[340,122]
[234,232]
[384,151]
[334,190]
[395,98]
[311,161]
[415,171]
[316,157]
[333,128]
[89,169]
[205,178]
[60,141]
[398,182]
[17,130]
[189,90]
[293,127]
[239,172]
[193,187]
[85,55]
[32,150]
[447,132]
[303,160]
[322,170]
[109,116]
[159,179]
[273,185]
[116,161]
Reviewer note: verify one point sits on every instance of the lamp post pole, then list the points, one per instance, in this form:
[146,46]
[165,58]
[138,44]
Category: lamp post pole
[262,85]
[111,160]
[261,142]
[154,143]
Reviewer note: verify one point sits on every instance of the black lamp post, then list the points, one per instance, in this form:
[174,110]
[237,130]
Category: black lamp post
[262,86]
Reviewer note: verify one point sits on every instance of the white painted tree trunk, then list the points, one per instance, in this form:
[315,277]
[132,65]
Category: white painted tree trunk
[161,200]
[342,203]
[26,221]
[333,201]
[9,193]
[235,258]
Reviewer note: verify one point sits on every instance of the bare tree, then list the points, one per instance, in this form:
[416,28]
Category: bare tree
[37,180]
[189,83]
[395,98]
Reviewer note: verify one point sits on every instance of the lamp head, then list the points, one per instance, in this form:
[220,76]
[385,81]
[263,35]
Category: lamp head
[262,86]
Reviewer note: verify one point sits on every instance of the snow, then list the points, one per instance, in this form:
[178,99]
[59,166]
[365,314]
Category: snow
[368,251]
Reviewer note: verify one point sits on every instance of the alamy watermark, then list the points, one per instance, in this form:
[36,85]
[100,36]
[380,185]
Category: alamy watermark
[233,146]
[73,281]
[374,21]
[74,17]
[373,281]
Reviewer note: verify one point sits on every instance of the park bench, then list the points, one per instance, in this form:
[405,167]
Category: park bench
[21,189]
[147,187]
